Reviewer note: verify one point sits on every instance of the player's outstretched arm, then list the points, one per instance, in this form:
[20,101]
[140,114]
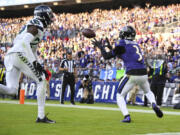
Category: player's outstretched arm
[99,44]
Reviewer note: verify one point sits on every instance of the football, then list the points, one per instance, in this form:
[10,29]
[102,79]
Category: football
[89,33]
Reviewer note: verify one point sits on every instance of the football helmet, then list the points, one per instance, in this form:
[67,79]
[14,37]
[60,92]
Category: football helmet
[44,14]
[128,33]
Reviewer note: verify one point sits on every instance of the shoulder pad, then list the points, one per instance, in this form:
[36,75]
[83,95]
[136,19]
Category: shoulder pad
[36,23]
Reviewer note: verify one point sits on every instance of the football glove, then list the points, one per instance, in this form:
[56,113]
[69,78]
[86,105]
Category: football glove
[108,43]
[38,67]
[97,43]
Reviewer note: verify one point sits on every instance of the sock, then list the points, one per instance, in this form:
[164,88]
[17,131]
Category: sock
[122,104]
[150,97]
[41,113]
[127,116]
[41,96]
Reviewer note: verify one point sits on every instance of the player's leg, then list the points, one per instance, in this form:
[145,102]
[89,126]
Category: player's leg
[12,76]
[41,97]
[124,87]
[144,84]
[28,69]
[12,82]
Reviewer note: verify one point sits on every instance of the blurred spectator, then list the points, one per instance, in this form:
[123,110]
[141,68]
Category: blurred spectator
[88,96]
[132,95]
[150,22]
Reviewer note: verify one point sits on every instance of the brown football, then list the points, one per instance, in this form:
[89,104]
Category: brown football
[88,33]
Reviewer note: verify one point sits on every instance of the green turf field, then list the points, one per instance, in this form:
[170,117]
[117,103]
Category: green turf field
[16,119]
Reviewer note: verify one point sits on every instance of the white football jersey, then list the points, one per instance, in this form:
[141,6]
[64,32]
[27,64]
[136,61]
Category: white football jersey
[18,43]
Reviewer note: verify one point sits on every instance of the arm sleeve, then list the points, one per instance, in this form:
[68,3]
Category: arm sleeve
[27,38]
[107,55]
[118,50]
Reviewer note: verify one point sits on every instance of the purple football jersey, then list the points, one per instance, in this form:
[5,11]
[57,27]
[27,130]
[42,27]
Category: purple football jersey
[132,57]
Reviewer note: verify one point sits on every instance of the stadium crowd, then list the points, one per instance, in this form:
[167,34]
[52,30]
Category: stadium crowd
[66,33]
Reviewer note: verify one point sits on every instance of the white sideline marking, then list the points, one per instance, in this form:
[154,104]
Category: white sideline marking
[95,108]
[160,134]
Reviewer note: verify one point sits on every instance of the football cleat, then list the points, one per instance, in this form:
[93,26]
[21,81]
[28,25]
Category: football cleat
[156,109]
[45,120]
[127,119]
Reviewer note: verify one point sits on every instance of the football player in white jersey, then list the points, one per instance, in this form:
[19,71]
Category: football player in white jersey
[22,57]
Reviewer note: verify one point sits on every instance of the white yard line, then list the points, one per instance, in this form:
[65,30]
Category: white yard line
[95,108]
[160,134]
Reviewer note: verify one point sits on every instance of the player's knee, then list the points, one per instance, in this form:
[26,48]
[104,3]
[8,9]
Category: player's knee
[119,98]
[118,95]
[41,86]
[41,83]
[12,91]
[147,91]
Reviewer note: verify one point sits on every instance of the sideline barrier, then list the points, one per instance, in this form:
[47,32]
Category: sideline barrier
[104,92]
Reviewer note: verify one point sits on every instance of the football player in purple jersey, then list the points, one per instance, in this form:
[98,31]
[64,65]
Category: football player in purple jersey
[129,51]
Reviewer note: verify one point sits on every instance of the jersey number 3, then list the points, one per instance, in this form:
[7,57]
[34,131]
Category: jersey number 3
[138,52]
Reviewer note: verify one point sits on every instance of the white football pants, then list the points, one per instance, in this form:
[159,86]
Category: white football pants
[16,63]
[126,84]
